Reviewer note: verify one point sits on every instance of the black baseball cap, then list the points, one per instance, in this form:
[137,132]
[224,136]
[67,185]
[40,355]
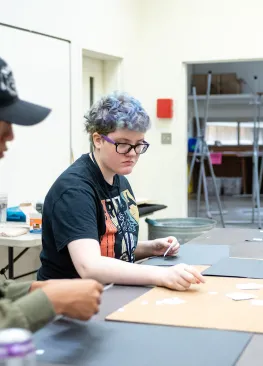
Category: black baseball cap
[13,109]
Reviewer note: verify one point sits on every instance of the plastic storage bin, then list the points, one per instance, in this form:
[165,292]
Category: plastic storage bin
[232,185]
[211,188]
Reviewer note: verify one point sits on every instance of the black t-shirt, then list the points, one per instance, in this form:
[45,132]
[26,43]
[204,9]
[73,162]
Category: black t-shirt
[79,205]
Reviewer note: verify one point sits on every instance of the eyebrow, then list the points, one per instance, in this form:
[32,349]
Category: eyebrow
[127,140]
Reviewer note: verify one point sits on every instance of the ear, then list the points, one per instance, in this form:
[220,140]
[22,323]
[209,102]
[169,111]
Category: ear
[97,140]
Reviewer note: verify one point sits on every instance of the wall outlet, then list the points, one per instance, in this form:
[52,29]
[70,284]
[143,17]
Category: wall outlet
[166,138]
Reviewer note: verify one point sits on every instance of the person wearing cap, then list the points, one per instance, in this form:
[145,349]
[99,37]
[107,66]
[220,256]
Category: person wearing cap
[31,305]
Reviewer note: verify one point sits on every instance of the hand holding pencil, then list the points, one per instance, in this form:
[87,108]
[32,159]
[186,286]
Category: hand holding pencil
[168,246]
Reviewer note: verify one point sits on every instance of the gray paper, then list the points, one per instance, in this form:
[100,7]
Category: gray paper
[236,267]
[193,254]
[112,343]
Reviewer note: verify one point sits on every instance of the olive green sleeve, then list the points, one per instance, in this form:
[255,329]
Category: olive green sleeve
[14,290]
[31,311]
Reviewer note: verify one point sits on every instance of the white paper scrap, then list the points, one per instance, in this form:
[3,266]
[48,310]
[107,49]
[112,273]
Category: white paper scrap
[40,352]
[249,286]
[170,301]
[240,296]
[257,302]
[144,302]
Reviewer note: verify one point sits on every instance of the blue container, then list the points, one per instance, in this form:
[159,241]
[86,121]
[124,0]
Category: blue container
[191,144]
[15,214]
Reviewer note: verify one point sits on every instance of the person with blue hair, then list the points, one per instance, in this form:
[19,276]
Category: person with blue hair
[90,218]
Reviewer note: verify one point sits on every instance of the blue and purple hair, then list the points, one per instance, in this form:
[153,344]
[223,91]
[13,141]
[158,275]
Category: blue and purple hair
[116,111]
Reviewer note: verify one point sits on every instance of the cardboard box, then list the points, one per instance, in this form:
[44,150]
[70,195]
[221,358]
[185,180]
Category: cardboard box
[230,84]
[200,82]
[215,84]
[221,84]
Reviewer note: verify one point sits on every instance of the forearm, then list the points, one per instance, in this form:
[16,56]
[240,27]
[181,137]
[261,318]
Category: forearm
[143,250]
[25,312]
[12,290]
[108,270]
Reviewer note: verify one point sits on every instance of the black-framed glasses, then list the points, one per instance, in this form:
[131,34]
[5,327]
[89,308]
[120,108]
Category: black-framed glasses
[124,148]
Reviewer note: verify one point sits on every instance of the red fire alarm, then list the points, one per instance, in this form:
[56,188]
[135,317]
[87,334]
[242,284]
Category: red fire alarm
[164,108]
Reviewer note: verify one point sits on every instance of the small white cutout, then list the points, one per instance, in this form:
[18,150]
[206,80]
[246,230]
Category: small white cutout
[257,302]
[40,352]
[240,296]
[170,301]
[249,286]
[144,302]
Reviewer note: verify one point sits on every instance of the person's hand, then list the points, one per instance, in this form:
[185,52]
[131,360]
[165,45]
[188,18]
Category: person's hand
[159,246]
[78,299]
[180,277]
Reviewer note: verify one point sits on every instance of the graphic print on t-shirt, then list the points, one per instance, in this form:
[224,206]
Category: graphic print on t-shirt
[113,243]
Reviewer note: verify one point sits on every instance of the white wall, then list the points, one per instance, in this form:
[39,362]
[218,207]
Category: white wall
[102,26]
[37,156]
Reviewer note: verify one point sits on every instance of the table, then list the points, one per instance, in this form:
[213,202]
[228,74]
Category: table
[118,296]
[25,241]
[235,239]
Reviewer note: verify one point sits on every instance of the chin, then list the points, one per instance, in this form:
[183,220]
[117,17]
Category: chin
[125,170]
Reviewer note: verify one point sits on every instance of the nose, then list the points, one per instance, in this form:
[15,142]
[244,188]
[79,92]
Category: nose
[131,153]
[9,134]
[6,132]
